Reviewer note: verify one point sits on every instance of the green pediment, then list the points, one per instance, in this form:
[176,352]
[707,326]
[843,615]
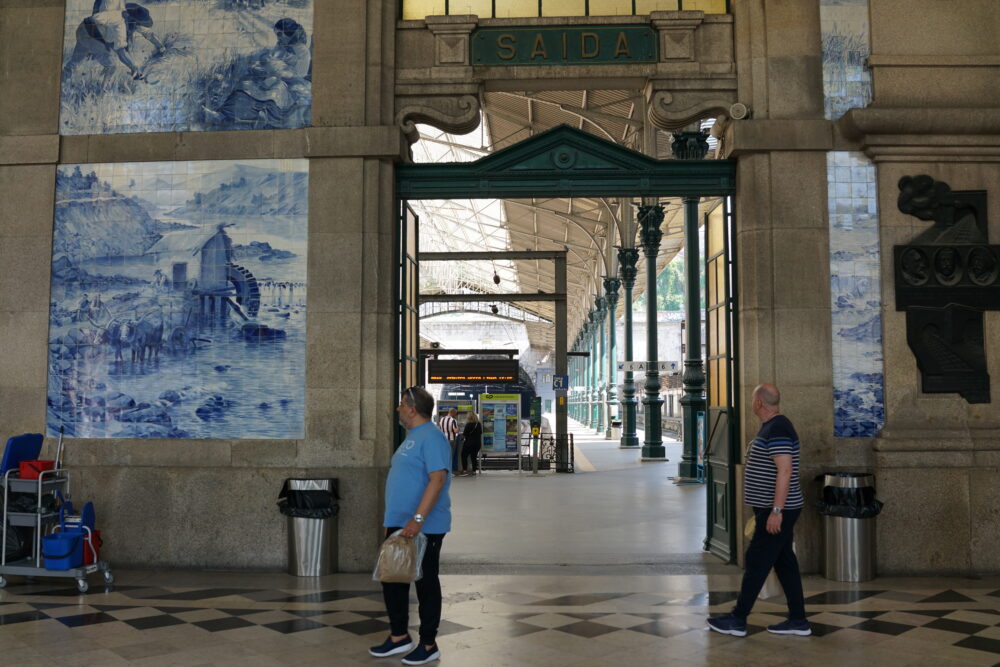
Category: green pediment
[566,162]
[565,148]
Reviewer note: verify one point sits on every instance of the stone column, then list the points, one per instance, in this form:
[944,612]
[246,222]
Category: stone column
[599,365]
[650,218]
[693,400]
[611,286]
[627,259]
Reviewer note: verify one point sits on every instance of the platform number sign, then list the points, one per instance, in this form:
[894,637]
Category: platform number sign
[560,382]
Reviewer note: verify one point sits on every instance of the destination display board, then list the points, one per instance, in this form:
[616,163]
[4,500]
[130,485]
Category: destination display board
[461,371]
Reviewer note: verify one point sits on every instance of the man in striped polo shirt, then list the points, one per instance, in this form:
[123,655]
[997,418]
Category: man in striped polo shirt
[771,488]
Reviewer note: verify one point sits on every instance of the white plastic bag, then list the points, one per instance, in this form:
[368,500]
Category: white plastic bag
[400,558]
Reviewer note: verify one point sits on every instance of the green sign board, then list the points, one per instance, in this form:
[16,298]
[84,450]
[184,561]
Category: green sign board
[535,414]
[564,45]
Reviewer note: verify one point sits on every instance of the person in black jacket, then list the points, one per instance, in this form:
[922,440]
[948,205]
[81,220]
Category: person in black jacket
[473,442]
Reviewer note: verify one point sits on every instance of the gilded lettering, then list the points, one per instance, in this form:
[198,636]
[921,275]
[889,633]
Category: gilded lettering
[538,49]
[505,47]
[590,45]
[621,47]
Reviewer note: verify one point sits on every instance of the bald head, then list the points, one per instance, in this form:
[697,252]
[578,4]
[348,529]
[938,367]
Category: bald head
[768,395]
[766,401]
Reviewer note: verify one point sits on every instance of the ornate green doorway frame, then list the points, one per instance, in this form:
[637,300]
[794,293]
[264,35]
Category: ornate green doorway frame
[561,162]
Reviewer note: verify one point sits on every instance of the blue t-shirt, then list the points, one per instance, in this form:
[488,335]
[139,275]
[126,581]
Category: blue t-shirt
[424,451]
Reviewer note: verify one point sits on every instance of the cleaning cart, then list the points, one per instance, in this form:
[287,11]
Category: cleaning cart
[59,538]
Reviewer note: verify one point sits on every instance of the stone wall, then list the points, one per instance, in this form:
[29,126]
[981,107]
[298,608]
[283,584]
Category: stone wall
[211,503]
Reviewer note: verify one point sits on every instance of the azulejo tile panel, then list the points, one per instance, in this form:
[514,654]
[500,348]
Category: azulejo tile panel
[855,292]
[178,304]
[855,286]
[186,65]
[847,83]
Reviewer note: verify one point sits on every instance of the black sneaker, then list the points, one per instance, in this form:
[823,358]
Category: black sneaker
[729,625]
[389,647]
[790,627]
[421,655]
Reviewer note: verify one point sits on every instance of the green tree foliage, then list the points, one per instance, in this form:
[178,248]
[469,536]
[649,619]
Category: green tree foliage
[670,287]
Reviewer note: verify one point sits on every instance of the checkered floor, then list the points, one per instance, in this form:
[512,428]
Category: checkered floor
[501,620]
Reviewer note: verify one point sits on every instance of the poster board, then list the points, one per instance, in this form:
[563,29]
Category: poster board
[501,417]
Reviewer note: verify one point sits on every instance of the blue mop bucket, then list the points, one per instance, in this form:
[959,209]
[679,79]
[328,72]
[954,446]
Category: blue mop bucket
[63,550]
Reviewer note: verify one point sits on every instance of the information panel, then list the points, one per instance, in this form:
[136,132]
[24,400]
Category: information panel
[465,371]
[501,417]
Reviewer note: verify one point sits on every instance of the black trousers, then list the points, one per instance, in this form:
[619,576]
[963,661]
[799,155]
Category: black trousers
[397,596]
[470,450]
[768,551]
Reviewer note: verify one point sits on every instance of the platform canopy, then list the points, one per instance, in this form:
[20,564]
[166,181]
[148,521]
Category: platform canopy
[584,226]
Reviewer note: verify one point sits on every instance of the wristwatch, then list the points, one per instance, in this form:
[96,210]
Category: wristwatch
[775,510]
[419,518]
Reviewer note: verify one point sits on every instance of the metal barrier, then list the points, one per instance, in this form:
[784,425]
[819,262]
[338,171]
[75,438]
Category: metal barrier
[550,455]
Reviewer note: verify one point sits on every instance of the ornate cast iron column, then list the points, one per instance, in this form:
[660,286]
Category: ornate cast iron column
[627,259]
[611,286]
[601,309]
[650,218]
[590,370]
[693,400]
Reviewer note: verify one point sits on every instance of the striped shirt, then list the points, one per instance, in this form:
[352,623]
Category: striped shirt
[776,436]
[449,426]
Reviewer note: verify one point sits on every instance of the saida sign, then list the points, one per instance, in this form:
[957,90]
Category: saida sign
[564,45]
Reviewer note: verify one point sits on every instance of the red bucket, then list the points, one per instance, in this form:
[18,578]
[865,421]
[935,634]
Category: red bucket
[31,469]
[95,539]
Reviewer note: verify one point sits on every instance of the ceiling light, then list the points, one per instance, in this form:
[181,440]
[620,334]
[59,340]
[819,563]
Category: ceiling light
[494,309]
[496,278]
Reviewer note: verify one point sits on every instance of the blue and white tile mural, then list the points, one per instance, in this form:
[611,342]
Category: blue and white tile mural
[855,285]
[178,304]
[855,290]
[184,65]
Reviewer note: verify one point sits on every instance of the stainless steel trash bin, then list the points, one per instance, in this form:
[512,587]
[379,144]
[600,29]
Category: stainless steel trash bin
[312,543]
[616,429]
[849,543]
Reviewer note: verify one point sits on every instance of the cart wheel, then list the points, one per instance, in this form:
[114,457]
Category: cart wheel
[82,585]
[108,577]
[3,583]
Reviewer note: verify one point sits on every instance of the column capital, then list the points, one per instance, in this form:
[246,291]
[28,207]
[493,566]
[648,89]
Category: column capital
[627,260]
[611,287]
[600,306]
[650,218]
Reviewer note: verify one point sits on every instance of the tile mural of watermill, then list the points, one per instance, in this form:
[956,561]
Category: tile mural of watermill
[178,303]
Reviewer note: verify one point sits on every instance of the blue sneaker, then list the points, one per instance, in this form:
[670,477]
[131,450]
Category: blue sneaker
[421,655]
[729,625]
[790,627]
[389,647]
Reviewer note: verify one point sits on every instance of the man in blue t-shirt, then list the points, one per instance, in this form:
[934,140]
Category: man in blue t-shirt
[771,488]
[416,499]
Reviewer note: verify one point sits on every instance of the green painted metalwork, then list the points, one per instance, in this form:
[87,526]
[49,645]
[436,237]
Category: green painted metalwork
[693,400]
[611,287]
[627,260]
[650,218]
[564,45]
[566,162]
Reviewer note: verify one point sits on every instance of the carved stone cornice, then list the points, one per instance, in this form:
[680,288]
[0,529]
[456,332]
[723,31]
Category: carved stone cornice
[924,134]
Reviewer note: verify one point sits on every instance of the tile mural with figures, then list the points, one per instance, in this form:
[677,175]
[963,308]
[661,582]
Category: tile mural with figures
[186,65]
[178,300]
[855,285]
